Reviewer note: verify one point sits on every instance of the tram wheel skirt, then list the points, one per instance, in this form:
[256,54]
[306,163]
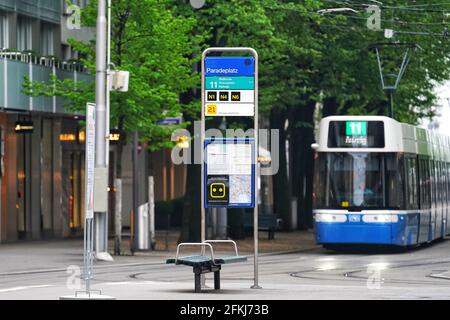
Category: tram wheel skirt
[399,234]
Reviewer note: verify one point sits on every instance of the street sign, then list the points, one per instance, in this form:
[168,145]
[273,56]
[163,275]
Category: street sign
[89,196]
[229,173]
[90,160]
[170,121]
[117,137]
[24,127]
[230,86]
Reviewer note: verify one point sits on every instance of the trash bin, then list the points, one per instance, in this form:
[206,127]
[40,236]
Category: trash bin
[143,231]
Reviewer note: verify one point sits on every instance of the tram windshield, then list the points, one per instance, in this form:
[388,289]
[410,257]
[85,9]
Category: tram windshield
[358,180]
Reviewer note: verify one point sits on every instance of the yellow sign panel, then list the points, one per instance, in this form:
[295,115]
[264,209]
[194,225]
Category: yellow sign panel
[211,109]
[217,190]
[114,137]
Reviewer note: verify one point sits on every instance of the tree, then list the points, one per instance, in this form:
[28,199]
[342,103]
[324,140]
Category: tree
[306,59]
[230,23]
[345,77]
[154,44]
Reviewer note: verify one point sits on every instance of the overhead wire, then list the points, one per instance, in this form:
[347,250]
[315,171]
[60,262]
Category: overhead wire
[393,8]
[400,21]
[444,33]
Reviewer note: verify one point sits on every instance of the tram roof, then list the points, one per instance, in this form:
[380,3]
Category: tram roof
[399,138]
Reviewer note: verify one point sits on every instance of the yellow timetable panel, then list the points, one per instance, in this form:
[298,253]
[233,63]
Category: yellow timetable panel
[211,109]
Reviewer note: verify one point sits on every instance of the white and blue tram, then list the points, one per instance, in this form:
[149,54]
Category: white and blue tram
[378,181]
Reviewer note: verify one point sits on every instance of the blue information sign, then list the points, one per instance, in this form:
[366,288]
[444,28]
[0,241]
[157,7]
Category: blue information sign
[230,85]
[230,66]
[229,180]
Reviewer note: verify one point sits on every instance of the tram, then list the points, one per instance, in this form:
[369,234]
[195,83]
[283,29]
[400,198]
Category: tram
[378,181]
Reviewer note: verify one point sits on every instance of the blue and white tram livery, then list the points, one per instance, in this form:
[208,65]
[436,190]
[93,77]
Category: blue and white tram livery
[378,181]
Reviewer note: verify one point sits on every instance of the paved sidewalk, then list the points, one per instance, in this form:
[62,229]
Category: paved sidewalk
[39,256]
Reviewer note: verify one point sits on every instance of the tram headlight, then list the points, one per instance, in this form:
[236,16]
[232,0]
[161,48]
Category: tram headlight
[380,218]
[328,217]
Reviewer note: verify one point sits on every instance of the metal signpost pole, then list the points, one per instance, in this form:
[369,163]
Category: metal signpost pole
[88,252]
[108,84]
[256,134]
[101,172]
[89,196]
[255,212]
[202,158]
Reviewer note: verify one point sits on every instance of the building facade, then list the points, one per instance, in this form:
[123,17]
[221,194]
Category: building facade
[41,146]
[42,142]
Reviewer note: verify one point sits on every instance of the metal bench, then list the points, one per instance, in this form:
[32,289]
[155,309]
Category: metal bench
[206,264]
[266,222]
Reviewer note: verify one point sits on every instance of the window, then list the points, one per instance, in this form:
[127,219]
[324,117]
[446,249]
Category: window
[354,181]
[448,183]
[425,192]
[444,183]
[411,184]
[395,181]
[433,184]
[442,194]
[47,39]
[24,34]
[4,34]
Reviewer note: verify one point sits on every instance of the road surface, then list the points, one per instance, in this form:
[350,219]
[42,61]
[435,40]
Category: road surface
[315,273]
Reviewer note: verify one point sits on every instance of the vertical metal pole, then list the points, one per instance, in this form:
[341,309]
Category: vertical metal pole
[255,212]
[134,246]
[202,155]
[108,83]
[100,221]
[202,158]
[151,209]
[86,253]
[118,217]
[89,196]
[391,103]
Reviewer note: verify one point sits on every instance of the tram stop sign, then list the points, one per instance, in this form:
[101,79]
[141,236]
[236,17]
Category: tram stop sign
[230,86]
[229,173]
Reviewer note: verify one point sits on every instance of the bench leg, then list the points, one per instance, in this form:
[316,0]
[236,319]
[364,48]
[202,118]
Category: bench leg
[198,283]
[217,280]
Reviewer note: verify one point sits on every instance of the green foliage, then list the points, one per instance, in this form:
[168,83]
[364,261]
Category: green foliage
[304,56]
[76,93]
[348,69]
[155,46]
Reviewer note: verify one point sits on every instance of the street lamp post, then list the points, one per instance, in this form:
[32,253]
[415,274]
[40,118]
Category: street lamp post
[102,139]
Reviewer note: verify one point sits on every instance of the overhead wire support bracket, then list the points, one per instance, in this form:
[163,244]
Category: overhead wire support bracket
[391,87]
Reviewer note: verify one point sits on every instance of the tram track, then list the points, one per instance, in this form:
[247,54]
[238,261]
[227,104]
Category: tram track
[104,273]
[270,265]
[341,274]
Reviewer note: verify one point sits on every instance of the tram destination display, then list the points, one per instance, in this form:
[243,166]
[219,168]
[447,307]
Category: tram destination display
[356,134]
